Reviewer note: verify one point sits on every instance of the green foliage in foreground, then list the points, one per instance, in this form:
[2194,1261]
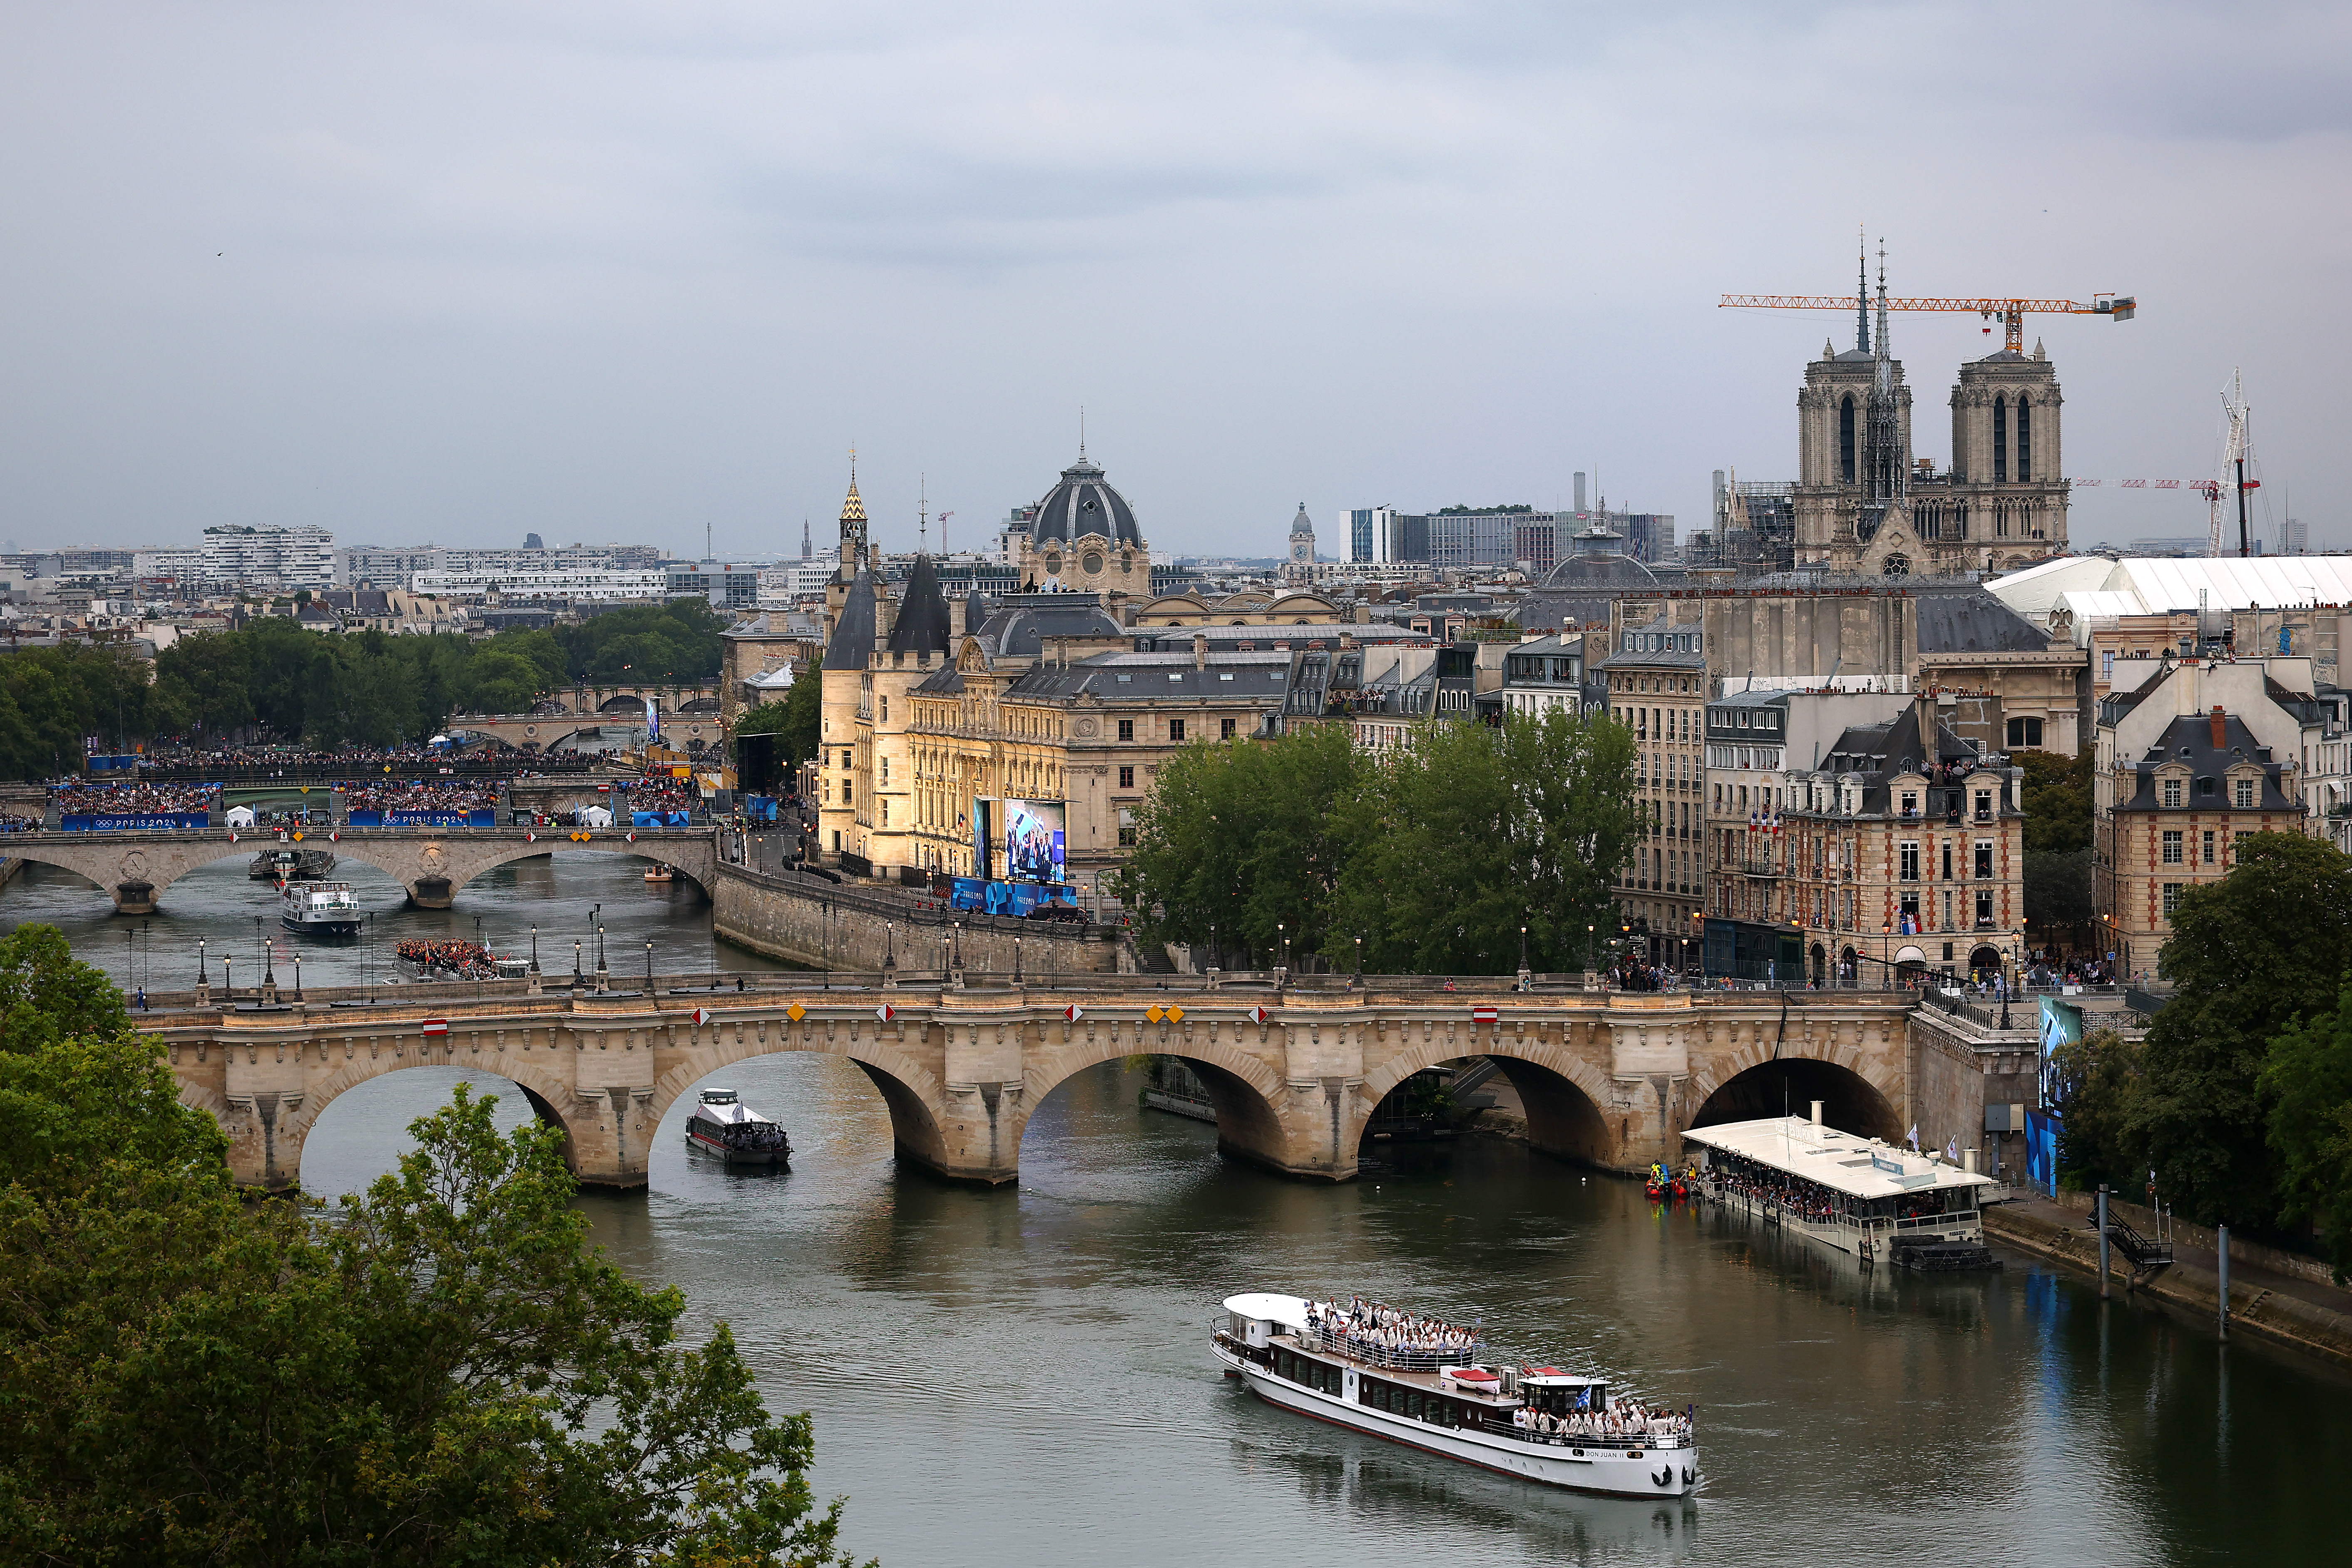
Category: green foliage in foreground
[1434,858]
[438,1372]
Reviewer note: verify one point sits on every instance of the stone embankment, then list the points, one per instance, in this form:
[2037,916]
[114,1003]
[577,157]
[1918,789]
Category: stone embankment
[2280,1307]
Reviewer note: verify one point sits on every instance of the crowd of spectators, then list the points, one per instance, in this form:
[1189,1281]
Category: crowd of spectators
[446,959]
[1621,1419]
[133,800]
[1386,1335]
[469,795]
[664,796]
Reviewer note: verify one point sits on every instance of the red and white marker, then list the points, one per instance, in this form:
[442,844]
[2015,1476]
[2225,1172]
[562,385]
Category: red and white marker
[701,1017]
[1485,1015]
[632,838]
[530,838]
[1074,1012]
[1256,1014]
[232,837]
[436,1025]
[886,1011]
[334,837]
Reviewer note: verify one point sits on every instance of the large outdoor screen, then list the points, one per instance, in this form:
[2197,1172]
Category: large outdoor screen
[1034,831]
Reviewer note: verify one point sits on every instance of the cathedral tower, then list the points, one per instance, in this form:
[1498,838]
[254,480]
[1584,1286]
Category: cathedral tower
[1854,447]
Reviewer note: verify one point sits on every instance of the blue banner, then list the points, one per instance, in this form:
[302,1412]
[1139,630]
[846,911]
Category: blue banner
[422,819]
[84,822]
[660,820]
[2041,1132]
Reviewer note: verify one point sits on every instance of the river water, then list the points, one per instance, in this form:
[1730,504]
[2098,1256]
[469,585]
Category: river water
[1021,1377]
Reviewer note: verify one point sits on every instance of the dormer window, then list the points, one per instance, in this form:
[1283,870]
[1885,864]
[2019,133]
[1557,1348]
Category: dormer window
[2243,793]
[2172,792]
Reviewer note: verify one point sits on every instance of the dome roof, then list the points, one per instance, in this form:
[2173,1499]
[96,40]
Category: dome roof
[1084,503]
[1302,524]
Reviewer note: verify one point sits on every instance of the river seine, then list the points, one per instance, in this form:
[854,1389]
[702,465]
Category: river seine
[1022,1377]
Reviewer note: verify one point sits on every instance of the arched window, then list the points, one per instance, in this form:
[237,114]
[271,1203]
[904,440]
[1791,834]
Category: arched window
[1897,566]
[2000,440]
[1845,440]
[2024,440]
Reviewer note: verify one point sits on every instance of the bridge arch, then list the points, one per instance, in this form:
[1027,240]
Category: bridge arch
[283,1132]
[1561,1092]
[1248,1095]
[1751,1082]
[908,1090]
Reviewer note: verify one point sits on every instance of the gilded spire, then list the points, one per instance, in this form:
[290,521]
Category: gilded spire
[852,510]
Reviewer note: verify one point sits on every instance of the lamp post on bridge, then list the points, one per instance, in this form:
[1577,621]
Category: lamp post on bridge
[298,974]
[603,975]
[649,969]
[228,985]
[1016,958]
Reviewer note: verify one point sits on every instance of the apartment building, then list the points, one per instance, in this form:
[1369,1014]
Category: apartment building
[1655,681]
[1905,853]
[2195,758]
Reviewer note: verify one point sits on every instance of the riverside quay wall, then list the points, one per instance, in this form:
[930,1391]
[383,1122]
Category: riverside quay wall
[809,921]
[1607,1079]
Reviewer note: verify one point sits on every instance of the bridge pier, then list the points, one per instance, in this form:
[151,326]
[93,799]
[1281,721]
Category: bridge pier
[431,893]
[134,898]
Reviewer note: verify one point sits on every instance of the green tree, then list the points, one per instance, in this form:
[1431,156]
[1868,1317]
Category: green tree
[1243,838]
[1473,831]
[2098,1084]
[794,719]
[47,994]
[2058,801]
[2249,956]
[2058,888]
[2307,1081]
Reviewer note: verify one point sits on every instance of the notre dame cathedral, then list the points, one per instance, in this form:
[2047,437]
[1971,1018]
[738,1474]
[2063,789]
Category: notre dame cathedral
[1864,504]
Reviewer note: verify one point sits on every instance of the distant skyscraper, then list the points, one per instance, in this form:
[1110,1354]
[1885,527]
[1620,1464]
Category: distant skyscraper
[531,541]
[806,552]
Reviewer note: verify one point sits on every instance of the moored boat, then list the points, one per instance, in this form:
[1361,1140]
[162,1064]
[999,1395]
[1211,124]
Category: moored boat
[723,1126]
[657,872]
[1846,1191]
[1414,1381]
[318,909]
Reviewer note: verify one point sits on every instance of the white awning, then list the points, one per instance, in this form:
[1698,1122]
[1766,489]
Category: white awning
[1288,1310]
[1910,956]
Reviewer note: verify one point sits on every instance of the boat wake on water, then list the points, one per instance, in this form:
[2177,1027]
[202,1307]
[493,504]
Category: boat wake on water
[1431,1385]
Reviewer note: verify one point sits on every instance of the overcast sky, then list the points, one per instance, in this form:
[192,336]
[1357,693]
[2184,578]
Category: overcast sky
[460,270]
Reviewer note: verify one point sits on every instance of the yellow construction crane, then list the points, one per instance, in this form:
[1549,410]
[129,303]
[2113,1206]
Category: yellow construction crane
[2013,312]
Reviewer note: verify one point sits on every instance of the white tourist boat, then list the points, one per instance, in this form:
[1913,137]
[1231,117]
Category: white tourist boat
[724,1126]
[318,909]
[1539,1423]
[1857,1195]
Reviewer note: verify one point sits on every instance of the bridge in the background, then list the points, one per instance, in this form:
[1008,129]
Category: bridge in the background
[1607,1078]
[431,863]
[689,714]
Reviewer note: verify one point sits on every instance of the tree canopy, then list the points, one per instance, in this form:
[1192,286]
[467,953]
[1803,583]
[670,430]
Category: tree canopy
[440,1372]
[1433,857]
[2058,800]
[276,680]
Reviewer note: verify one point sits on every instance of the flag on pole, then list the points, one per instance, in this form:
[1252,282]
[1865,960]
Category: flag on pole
[1915,1138]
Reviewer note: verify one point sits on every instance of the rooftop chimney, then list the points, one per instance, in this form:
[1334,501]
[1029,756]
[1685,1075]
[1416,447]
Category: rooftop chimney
[2220,726]
[1200,651]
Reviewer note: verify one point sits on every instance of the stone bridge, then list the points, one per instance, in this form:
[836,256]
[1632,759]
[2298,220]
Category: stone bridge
[431,863]
[539,731]
[1607,1079]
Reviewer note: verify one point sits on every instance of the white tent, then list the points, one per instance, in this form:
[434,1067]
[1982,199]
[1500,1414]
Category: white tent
[595,816]
[240,817]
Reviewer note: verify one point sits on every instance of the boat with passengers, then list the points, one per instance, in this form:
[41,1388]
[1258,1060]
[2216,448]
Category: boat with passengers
[1856,1195]
[724,1126]
[318,909]
[1431,1385]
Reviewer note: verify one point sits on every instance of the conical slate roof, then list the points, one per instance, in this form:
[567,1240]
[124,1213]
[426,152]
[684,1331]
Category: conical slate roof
[922,623]
[853,634]
[853,509]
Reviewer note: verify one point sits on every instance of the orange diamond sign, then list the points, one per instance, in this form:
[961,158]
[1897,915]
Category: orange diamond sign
[795,1012]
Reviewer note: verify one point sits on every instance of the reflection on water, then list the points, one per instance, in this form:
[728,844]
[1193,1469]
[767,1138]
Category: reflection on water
[1021,1376]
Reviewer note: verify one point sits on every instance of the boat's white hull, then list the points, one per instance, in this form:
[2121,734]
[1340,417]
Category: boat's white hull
[1617,1472]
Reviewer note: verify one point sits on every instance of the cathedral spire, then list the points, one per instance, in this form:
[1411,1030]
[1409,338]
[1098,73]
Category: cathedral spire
[1862,295]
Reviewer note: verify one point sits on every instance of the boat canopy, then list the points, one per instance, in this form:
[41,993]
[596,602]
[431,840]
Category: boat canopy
[1290,1312]
[730,1115]
[1842,1162]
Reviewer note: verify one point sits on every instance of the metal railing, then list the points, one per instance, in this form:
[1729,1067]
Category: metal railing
[1388,1355]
